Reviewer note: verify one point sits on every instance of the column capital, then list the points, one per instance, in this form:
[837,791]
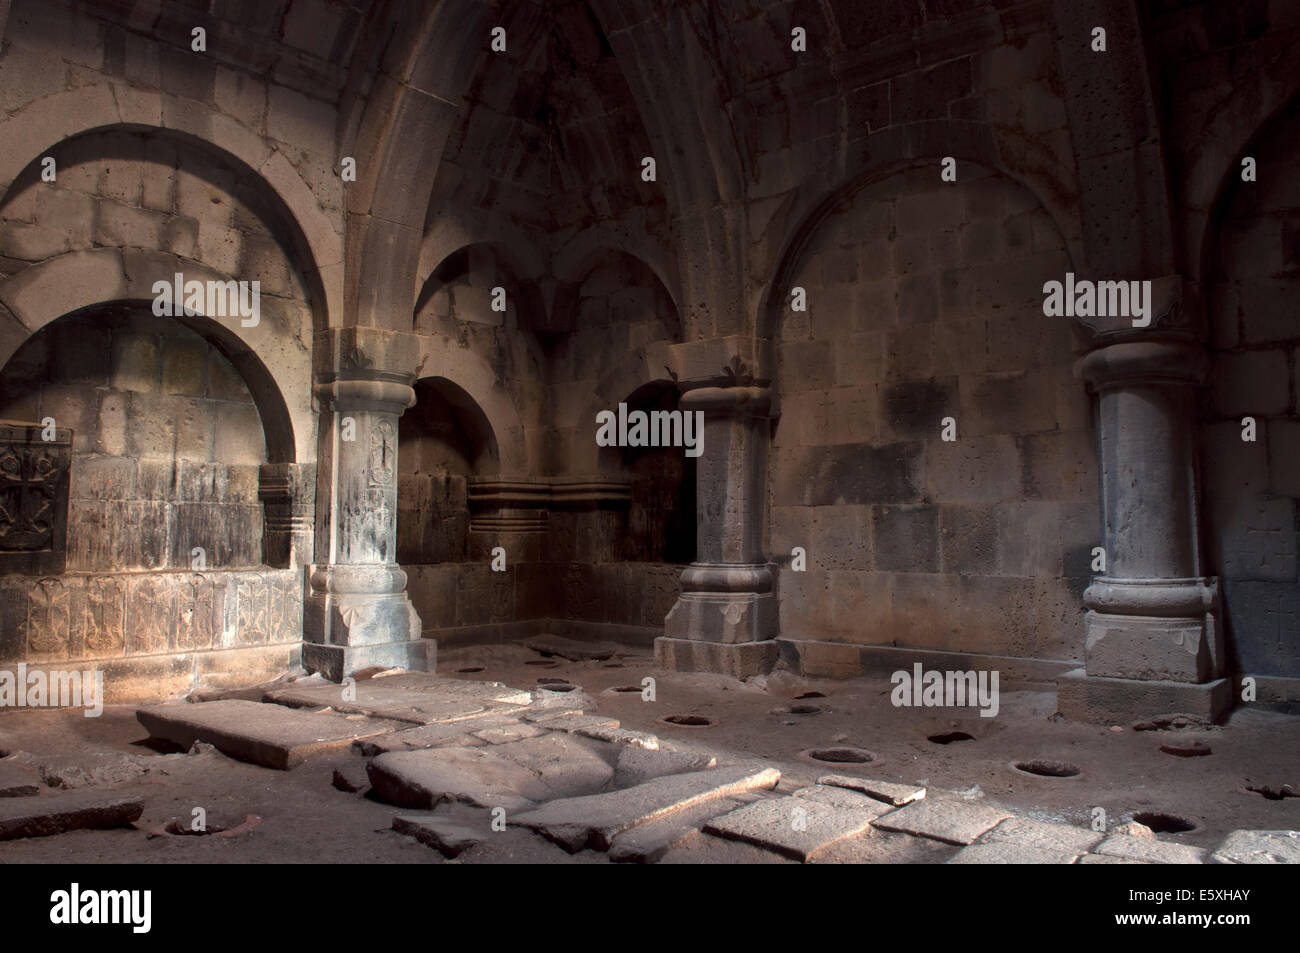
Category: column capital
[721,401]
[1154,361]
[377,392]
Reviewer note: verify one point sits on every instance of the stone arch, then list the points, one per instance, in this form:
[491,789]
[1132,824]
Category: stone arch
[47,291]
[46,122]
[581,253]
[881,156]
[475,378]
[529,305]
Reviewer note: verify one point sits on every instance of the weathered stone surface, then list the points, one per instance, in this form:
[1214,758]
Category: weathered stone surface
[1010,852]
[637,764]
[1059,838]
[888,792]
[621,736]
[797,828]
[18,780]
[595,820]
[843,799]
[953,822]
[449,836]
[269,735]
[574,650]
[506,732]
[648,842]
[415,697]
[1151,851]
[446,735]
[1259,847]
[351,777]
[575,722]
[56,813]
[1108,859]
[512,775]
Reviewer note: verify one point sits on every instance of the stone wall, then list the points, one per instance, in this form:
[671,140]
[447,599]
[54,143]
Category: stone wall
[925,302]
[1252,489]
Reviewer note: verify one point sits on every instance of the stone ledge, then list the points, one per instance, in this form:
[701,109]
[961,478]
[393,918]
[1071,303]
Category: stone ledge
[1120,701]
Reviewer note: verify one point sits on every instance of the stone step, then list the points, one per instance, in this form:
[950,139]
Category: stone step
[802,826]
[595,820]
[415,698]
[44,815]
[513,776]
[637,764]
[270,735]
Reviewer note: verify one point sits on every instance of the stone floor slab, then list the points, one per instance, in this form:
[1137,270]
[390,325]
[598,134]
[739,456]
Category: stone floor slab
[636,765]
[415,698]
[1011,852]
[887,791]
[797,828]
[1151,851]
[843,799]
[449,836]
[647,843]
[1061,838]
[953,822]
[573,649]
[595,820]
[513,776]
[42,816]
[1259,847]
[269,735]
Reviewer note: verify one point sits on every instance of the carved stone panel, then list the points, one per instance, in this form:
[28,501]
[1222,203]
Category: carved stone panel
[33,498]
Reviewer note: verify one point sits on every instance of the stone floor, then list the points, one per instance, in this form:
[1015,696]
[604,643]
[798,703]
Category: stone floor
[519,754]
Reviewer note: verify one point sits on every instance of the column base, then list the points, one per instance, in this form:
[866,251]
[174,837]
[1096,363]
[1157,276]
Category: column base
[1119,701]
[728,617]
[337,661]
[739,660]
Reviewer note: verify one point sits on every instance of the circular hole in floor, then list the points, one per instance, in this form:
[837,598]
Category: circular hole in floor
[558,687]
[1041,768]
[542,662]
[612,665]
[469,669]
[553,681]
[840,754]
[1164,823]
[809,695]
[796,710]
[948,737]
[625,690]
[1186,749]
[687,721]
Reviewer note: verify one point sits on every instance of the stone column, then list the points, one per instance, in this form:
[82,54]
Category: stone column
[358,614]
[1154,644]
[726,619]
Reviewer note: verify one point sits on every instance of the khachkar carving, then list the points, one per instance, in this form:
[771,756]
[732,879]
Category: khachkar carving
[357,613]
[34,465]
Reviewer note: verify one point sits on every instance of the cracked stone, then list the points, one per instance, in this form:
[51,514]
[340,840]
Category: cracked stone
[42,816]
[953,822]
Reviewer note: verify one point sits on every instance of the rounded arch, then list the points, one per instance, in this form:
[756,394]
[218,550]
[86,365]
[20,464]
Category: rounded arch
[530,305]
[584,251]
[479,443]
[814,209]
[45,292]
[474,378]
[45,123]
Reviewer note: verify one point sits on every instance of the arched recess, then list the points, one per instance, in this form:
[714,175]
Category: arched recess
[934,457]
[582,253]
[445,441]
[1249,419]
[885,154]
[265,355]
[478,269]
[43,124]
[169,430]
[478,381]
[660,521]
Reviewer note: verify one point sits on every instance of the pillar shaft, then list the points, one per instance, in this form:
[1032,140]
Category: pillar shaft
[725,619]
[1152,618]
[358,614]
